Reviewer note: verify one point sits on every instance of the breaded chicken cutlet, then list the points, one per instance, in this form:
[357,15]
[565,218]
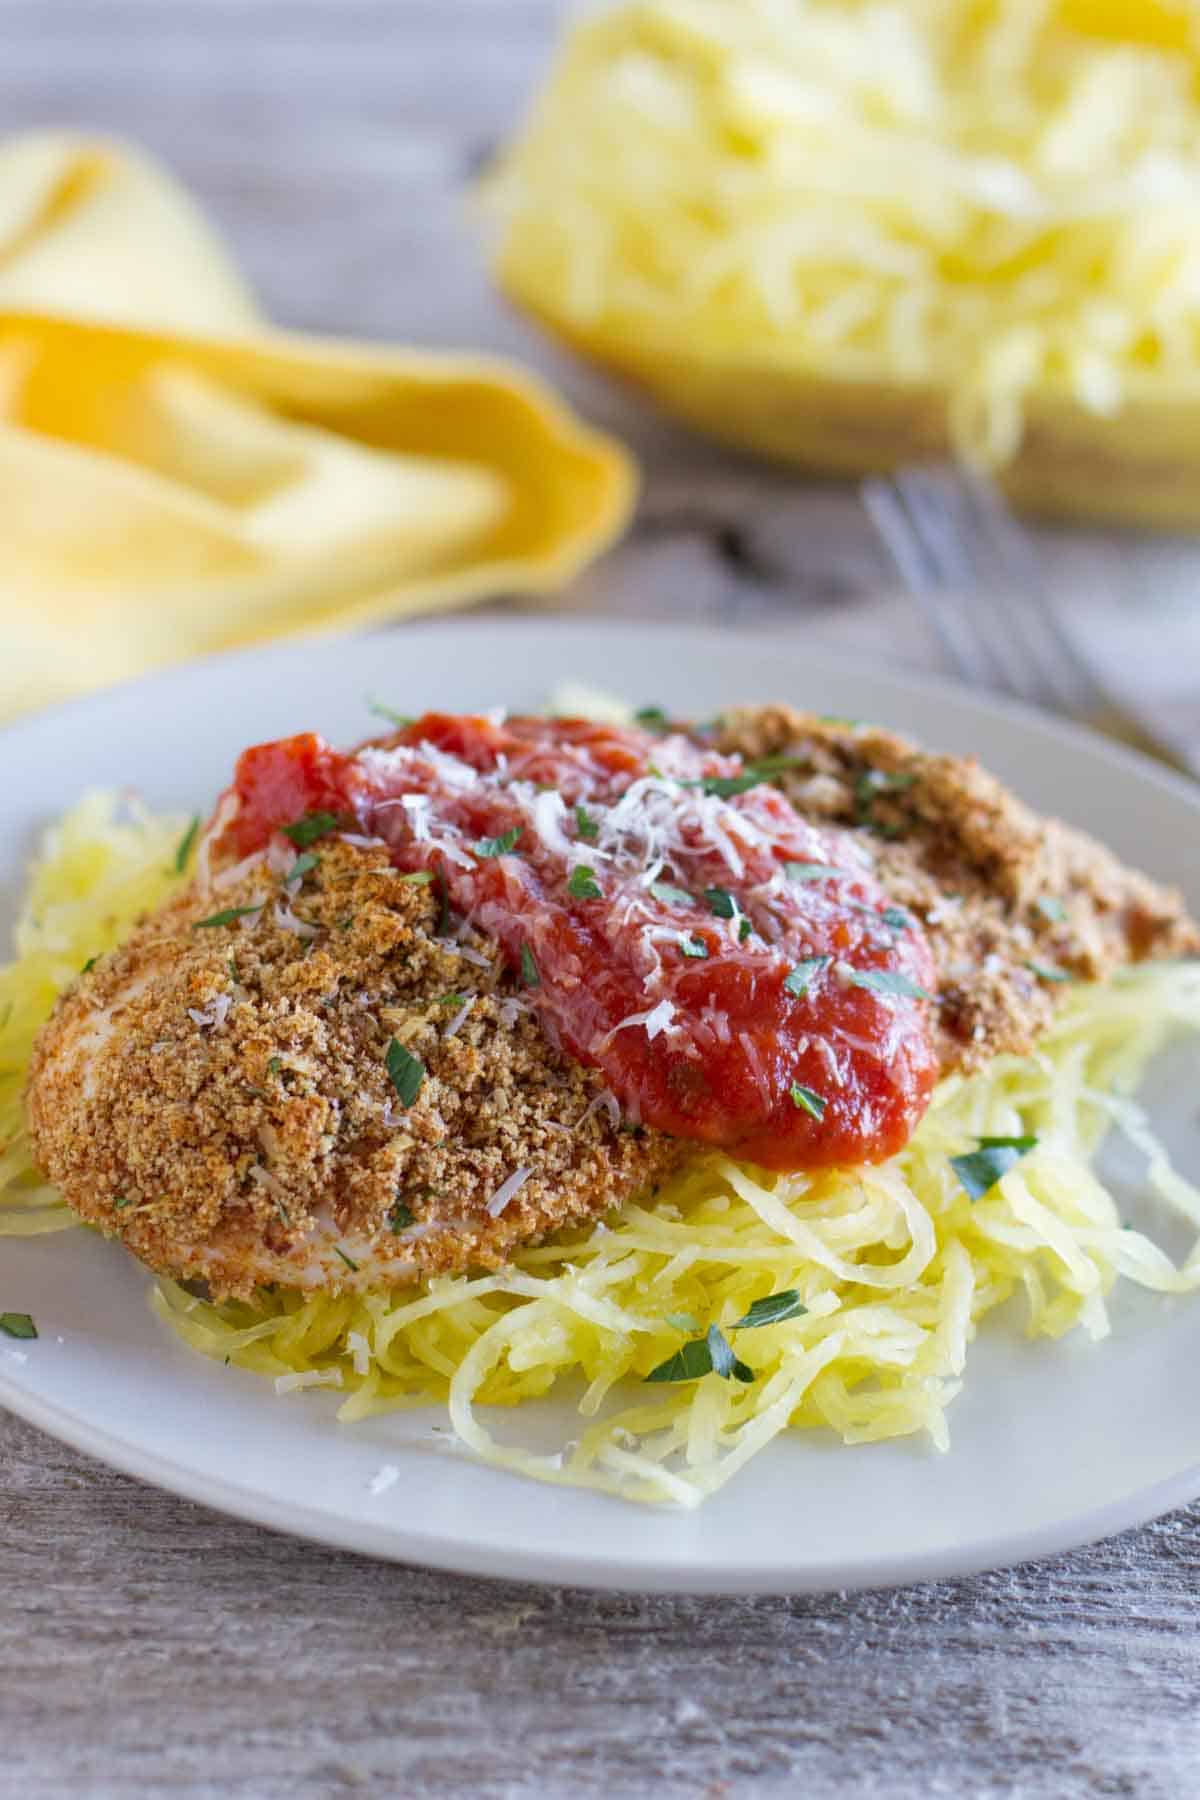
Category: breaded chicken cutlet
[220,1098]
[228,1099]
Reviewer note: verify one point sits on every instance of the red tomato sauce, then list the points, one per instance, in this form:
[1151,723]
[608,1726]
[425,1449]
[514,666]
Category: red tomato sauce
[736,972]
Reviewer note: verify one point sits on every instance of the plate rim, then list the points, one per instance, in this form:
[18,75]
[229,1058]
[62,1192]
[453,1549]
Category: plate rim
[550,1567]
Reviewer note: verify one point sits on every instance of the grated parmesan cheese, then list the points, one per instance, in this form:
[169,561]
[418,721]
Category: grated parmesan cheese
[263,1178]
[605,1101]
[286,919]
[214,1014]
[658,1019]
[507,1189]
[476,958]
[460,1018]
[228,877]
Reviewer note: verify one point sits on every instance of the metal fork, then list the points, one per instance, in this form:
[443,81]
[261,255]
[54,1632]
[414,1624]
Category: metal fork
[976,575]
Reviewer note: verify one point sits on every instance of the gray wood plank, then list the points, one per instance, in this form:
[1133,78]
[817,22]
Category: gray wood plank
[151,1646]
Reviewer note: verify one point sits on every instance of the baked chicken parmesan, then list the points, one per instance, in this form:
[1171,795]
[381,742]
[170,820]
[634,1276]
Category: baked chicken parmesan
[426,1002]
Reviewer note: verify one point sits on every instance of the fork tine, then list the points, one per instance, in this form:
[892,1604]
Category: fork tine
[1033,607]
[975,581]
[920,570]
[972,546]
[956,547]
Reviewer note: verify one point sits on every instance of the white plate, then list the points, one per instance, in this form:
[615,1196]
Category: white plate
[1053,1444]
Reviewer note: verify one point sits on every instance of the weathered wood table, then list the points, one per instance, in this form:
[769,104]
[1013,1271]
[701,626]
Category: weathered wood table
[149,1647]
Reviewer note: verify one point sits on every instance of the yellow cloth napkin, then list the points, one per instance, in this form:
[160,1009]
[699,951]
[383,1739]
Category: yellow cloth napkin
[176,476]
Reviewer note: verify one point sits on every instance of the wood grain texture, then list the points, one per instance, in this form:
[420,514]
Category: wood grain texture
[151,1647]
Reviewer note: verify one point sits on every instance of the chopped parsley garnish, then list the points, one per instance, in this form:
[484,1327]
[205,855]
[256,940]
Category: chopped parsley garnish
[348,1260]
[753,775]
[418,878]
[807,1101]
[441,888]
[274,1064]
[585,825]
[1048,972]
[872,786]
[17,1325]
[88,966]
[694,947]
[380,711]
[669,895]
[531,975]
[763,766]
[583,884]
[184,847]
[303,865]
[652,717]
[724,787]
[888,981]
[721,902]
[1051,908]
[122,1200]
[980,1169]
[497,846]
[228,917]
[688,1363]
[800,979]
[744,930]
[407,1072]
[450,1000]
[798,871]
[401,1216]
[712,1354]
[773,1309]
[307,830]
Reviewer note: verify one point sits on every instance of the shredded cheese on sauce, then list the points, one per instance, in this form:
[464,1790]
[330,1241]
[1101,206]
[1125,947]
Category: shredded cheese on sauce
[983,197]
[895,1264]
